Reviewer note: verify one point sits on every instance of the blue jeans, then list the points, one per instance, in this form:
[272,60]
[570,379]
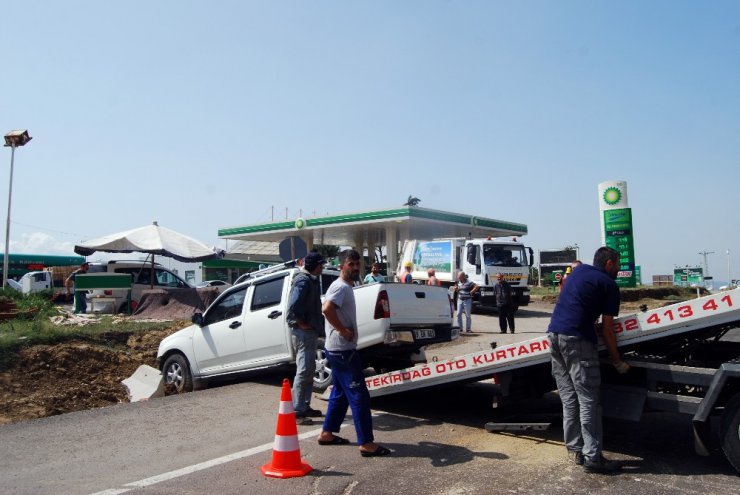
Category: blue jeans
[81,301]
[305,342]
[463,306]
[575,367]
[349,391]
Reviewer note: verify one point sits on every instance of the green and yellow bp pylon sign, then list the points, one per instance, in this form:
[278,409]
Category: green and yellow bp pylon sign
[616,228]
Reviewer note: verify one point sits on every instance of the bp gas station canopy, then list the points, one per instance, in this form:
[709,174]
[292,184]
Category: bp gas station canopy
[370,229]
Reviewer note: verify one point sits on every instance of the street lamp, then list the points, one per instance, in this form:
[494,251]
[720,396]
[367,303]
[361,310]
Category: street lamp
[13,139]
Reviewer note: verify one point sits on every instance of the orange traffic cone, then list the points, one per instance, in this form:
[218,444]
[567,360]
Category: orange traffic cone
[286,454]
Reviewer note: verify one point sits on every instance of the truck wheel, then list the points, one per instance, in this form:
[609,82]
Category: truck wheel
[730,431]
[322,375]
[176,374]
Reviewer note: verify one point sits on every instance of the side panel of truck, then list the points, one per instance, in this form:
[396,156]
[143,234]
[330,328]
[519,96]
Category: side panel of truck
[266,332]
[219,345]
[248,329]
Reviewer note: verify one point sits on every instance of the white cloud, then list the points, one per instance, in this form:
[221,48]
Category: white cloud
[40,243]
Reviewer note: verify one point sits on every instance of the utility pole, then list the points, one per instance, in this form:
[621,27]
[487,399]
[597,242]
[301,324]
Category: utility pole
[729,279]
[706,266]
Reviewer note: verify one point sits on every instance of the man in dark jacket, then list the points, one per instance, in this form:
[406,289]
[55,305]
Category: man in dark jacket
[504,303]
[307,322]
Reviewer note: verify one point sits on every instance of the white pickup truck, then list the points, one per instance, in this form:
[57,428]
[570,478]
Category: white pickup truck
[245,329]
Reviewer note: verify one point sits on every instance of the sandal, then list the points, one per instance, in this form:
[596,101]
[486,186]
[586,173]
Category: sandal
[336,440]
[380,451]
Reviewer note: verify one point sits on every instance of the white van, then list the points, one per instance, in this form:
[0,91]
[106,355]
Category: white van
[141,272]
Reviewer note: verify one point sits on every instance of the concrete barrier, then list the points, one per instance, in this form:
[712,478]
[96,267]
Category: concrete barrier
[145,383]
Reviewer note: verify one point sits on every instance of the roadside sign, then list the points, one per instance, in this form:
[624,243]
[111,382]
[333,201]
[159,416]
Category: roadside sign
[558,277]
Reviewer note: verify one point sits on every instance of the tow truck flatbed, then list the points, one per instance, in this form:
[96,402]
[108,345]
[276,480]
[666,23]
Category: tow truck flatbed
[714,310]
[680,363]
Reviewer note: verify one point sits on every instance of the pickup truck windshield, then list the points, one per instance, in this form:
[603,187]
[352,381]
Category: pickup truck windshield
[497,255]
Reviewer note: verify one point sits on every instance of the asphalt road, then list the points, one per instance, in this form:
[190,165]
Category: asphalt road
[214,441]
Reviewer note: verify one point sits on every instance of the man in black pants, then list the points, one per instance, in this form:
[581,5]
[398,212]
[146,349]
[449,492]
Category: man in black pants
[504,303]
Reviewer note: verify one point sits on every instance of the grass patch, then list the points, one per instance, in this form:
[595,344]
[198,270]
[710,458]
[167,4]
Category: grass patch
[33,327]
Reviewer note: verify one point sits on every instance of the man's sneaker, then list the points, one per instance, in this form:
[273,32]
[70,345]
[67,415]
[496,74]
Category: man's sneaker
[601,465]
[313,413]
[302,419]
[576,457]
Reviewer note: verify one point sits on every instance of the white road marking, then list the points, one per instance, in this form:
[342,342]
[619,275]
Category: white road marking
[199,467]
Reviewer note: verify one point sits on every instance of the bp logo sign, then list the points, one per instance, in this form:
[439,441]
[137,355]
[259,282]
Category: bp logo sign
[300,223]
[612,196]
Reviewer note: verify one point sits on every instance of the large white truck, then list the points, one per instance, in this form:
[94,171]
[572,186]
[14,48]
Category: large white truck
[480,259]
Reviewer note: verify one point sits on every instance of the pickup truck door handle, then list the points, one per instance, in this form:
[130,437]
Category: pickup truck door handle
[274,314]
[235,324]
[420,295]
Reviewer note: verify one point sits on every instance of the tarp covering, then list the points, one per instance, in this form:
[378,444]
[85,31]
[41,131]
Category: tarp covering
[174,304]
[154,240]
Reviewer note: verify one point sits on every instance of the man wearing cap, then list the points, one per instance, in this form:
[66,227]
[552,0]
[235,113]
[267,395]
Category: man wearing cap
[307,322]
[405,277]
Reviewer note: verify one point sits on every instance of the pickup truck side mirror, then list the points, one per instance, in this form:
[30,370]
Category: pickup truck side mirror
[197,319]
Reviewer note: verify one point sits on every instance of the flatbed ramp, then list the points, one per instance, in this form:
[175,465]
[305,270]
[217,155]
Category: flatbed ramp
[715,310]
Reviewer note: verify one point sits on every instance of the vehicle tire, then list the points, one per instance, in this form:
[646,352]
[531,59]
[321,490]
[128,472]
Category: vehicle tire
[322,375]
[124,307]
[730,431]
[176,374]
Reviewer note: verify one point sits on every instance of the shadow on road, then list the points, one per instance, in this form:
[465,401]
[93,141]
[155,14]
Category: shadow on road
[661,443]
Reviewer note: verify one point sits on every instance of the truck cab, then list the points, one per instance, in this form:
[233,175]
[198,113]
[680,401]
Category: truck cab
[485,258]
[36,281]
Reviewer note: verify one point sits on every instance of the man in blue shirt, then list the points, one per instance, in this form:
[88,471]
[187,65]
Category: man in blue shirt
[590,292]
[374,275]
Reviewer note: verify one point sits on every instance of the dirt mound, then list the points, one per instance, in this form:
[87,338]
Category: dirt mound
[671,294]
[74,376]
[171,304]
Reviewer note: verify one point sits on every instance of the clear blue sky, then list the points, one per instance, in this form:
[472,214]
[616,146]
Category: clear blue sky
[203,115]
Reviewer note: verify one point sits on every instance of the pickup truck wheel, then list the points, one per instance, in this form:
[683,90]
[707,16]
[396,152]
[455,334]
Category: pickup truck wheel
[730,431]
[176,374]
[322,376]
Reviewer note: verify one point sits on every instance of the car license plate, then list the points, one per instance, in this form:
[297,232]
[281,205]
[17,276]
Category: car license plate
[486,292]
[426,333]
